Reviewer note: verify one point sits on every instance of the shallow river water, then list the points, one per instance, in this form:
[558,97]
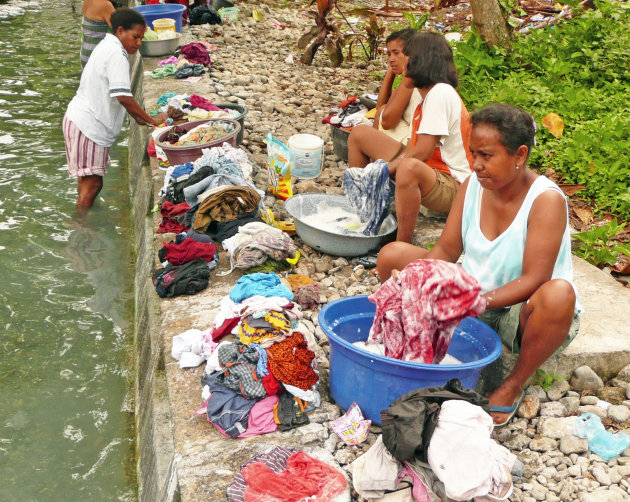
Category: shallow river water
[66,300]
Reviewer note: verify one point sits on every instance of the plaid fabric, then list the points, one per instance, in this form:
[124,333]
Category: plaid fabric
[85,158]
[239,371]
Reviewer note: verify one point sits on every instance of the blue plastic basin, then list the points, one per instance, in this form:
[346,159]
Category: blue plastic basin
[374,381]
[151,12]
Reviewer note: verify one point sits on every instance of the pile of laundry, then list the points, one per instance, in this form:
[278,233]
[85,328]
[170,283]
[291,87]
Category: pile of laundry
[260,375]
[213,200]
[350,113]
[286,475]
[183,108]
[190,60]
[436,446]
[199,135]
[418,309]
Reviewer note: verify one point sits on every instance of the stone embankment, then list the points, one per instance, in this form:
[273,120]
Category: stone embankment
[180,454]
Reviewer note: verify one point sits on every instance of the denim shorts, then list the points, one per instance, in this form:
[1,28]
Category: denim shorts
[505,322]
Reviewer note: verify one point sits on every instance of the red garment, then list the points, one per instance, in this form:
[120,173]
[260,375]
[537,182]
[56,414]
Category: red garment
[271,385]
[196,53]
[304,477]
[201,102]
[188,250]
[417,312]
[151,148]
[169,225]
[290,361]
[219,332]
[168,209]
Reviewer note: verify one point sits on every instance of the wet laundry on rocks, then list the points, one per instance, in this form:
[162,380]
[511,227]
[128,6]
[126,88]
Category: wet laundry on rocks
[186,279]
[226,408]
[255,243]
[187,250]
[259,285]
[369,191]
[196,52]
[418,310]
[292,362]
[189,70]
[225,204]
[304,477]
[409,422]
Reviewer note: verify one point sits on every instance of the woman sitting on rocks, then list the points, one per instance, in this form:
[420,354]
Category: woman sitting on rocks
[512,226]
[395,107]
[435,160]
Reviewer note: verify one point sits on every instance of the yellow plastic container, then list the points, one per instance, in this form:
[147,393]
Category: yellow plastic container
[164,24]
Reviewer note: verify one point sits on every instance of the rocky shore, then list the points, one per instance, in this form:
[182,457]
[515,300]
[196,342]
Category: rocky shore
[257,64]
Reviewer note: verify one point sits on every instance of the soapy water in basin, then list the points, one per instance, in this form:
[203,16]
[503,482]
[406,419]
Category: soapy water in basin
[334,219]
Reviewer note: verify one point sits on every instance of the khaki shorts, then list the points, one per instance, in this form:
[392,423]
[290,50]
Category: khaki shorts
[505,322]
[441,196]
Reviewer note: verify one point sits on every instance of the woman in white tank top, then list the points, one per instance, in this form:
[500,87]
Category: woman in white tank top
[512,226]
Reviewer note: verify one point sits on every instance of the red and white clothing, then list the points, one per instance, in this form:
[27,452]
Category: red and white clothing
[418,310]
[442,113]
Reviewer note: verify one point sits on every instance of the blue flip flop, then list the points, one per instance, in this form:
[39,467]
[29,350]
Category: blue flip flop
[511,410]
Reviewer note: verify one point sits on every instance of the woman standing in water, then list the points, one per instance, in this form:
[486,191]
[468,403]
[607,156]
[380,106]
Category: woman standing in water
[95,25]
[512,226]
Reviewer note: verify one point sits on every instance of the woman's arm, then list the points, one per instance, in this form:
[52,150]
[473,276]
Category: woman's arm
[138,113]
[395,107]
[386,89]
[449,246]
[545,227]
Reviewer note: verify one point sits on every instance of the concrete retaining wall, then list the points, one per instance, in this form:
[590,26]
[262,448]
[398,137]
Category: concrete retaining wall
[157,478]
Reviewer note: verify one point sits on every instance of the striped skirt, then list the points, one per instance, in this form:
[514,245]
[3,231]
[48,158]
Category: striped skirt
[92,32]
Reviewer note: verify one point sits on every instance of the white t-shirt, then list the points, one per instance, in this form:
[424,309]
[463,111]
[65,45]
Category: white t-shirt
[95,109]
[444,115]
[401,131]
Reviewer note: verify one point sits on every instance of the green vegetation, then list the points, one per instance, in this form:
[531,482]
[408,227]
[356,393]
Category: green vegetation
[597,245]
[545,380]
[578,69]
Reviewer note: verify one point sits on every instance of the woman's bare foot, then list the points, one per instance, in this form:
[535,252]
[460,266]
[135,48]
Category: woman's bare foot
[505,395]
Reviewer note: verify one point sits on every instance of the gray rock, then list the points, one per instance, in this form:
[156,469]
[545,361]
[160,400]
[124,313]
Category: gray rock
[552,409]
[612,494]
[624,374]
[587,400]
[556,428]
[516,442]
[542,443]
[344,456]
[319,430]
[538,391]
[619,413]
[584,378]
[558,389]
[601,475]
[573,444]
[596,410]
[575,471]
[570,403]
[614,395]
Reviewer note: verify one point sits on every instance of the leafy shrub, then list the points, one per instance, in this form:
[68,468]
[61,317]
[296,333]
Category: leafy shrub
[579,70]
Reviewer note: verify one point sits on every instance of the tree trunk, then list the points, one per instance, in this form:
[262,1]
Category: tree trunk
[491,22]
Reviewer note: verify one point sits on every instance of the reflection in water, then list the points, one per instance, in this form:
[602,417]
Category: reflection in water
[65,300]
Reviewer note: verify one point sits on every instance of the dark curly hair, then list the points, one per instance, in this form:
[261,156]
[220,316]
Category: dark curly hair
[430,60]
[127,18]
[515,126]
[403,35]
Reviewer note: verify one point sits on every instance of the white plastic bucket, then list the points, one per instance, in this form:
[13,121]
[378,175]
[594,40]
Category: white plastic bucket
[307,155]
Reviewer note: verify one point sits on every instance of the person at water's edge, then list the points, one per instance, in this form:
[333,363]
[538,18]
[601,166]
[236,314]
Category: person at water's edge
[95,115]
